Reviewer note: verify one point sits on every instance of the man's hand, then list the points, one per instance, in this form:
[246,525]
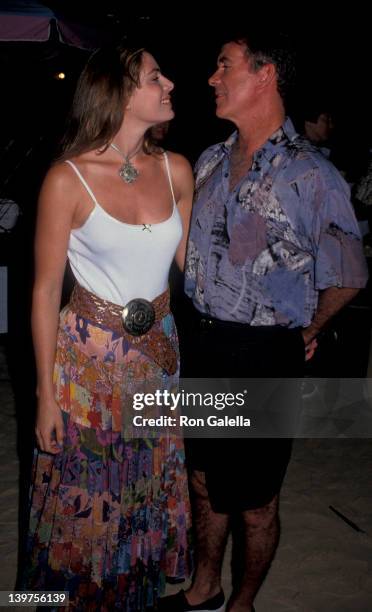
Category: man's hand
[310,347]
[331,301]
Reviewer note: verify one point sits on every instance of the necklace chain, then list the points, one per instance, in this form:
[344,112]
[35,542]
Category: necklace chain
[127,171]
[126,157]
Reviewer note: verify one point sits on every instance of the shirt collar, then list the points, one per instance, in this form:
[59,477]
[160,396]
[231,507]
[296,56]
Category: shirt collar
[286,133]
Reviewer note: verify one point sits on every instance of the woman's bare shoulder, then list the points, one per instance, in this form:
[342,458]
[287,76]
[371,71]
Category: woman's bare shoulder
[180,167]
[59,185]
[64,172]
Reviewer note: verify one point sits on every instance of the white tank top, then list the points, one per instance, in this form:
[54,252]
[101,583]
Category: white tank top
[118,261]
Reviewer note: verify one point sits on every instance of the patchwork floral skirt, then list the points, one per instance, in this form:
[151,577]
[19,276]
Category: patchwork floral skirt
[110,516]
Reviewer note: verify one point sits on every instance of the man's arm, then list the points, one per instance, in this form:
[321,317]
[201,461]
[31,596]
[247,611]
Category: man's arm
[340,264]
[331,301]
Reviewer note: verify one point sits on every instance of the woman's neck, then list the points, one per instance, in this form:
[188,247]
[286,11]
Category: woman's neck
[129,140]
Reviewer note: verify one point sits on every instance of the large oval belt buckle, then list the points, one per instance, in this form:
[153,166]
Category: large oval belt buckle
[138,317]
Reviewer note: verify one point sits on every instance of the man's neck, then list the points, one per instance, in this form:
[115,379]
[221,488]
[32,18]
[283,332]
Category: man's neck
[255,130]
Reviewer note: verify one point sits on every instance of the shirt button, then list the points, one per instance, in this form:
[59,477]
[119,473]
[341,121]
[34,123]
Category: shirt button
[226,174]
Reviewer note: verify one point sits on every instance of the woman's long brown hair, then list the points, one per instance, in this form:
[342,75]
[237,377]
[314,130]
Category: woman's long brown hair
[102,92]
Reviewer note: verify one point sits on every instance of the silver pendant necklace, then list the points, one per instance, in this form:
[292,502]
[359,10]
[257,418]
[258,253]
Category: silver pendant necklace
[127,171]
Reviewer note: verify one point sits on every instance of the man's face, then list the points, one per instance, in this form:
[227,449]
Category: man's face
[320,130]
[235,83]
[324,126]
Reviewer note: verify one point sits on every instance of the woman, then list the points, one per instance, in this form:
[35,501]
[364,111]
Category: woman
[110,514]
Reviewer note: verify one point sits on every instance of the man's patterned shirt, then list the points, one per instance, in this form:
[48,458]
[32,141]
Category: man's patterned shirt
[259,254]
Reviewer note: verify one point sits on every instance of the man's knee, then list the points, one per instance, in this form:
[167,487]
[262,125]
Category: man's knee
[264,517]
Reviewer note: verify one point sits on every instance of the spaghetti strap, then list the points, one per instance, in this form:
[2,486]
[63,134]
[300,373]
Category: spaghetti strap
[169,176]
[78,173]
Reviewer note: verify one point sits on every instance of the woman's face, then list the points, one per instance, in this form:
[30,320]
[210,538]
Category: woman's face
[150,103]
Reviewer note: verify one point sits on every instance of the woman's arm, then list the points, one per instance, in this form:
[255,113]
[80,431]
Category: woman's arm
[184,190]
[54,222]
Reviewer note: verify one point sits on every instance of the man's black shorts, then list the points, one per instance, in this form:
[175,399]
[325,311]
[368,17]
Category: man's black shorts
[241,474]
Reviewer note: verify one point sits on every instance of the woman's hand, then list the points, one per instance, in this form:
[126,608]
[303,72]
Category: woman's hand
[49,426]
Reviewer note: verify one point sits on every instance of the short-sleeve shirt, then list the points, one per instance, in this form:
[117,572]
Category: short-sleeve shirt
[260,253]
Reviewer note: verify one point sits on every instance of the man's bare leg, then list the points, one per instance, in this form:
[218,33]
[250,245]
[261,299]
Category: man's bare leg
[211,531]
[262,529]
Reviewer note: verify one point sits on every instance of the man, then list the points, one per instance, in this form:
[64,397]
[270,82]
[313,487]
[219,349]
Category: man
[318,127]
[274,252]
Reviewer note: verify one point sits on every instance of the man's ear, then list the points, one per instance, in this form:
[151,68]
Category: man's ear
[266,74]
